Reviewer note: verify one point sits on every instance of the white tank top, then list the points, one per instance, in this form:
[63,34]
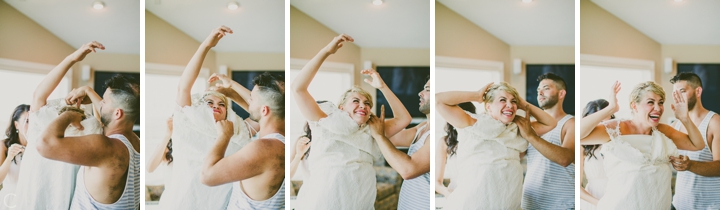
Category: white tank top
[415,192]
[130,198]
[239,200]
[693,191]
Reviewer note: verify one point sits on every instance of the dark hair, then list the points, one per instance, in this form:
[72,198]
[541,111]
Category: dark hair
[168,155]
[691,78]
[272,87]
[13,137]
[590,108]
[451,138]
[126,91]
[555,78]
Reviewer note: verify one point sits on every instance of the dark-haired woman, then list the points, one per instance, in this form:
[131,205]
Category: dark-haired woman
[163,152]
[445,150]
[591,164]
[12,147]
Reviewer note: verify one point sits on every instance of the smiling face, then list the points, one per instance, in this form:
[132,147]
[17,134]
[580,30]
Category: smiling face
[425,99]
[688,91]
[218,106]
[358,106]
[548,94]
[502,107]
[649,109]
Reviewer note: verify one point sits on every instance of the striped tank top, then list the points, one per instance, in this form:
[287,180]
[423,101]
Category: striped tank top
[239,200]
[547,184]
[693,191]
[130,198]
[415,192]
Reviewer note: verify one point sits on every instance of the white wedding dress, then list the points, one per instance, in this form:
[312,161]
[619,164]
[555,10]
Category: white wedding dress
[10,183]
[342,157]
[45,183]
[194,134]
[638,170]
[489,174]
[596,178]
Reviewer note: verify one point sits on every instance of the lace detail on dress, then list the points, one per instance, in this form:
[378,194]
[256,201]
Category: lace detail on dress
[661,146]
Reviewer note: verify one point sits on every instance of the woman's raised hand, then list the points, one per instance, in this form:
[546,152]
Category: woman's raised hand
[612,99]
[375,79]
[337,43]
[680,106]
[84,50]
[302,146]
[216,35]
[483,91]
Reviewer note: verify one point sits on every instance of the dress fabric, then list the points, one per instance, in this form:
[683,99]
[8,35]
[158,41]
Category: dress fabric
[45,183]
[596,178]
[10,183]
[489,174]
[638,170]
[194,134]
[342,158]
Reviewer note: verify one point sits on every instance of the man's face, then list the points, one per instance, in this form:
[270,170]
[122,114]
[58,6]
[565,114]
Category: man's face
[686,90]
[548,94]
[254,105]
[107,108]
[425,99]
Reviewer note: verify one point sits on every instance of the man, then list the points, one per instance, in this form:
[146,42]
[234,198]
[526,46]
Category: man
[109,176]
[550,178]
[697,185]
[414,166]
[258,169]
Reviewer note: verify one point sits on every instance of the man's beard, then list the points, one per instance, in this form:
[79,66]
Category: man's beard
[254,116]
[692,100]
[425,108]
[105,119]
[549,102]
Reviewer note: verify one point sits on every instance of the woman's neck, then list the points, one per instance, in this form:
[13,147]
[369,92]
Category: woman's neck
[638,127]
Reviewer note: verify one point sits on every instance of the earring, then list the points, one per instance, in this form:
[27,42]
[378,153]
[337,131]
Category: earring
[17,131]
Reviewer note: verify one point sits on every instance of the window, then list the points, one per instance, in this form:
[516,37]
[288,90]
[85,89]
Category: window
[600,72]
[21,86]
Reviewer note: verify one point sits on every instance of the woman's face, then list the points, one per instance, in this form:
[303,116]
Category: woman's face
[22,124]
[218,106]
[649,109]
[358,106]
[503,107]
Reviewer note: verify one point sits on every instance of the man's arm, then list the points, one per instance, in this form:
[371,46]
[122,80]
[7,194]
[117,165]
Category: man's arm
[250,161]
[90,150]
[712,168]
[407,166]
[562,155]
[405,137]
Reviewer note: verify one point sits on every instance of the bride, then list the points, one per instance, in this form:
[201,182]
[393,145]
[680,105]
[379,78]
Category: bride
[343,151]
[194,134]
[489,174]
[45,183]
[637,151]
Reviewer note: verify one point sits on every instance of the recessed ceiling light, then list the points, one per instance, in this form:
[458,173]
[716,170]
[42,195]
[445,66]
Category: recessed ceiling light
[377,2]
[98,5]
[233,5]
[526,1]
[678,0]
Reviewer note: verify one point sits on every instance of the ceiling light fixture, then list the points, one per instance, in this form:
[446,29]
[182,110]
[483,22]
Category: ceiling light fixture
[233,5]
[678,0]
[98,5]
[527,1]
[377,2]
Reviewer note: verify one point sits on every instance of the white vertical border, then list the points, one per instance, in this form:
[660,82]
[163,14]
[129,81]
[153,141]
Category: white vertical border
[288,81]
[432,105]
[578,106]
[143,147]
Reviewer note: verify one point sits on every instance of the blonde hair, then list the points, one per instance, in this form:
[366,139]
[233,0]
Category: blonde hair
[355,89]
[641,88]
[490,94]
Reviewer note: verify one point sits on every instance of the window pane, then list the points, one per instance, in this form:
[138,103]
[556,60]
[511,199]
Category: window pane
[20,87]
[597,82]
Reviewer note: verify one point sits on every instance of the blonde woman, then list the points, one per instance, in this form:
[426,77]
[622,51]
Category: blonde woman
[637,150]
[343,150]
[489,174]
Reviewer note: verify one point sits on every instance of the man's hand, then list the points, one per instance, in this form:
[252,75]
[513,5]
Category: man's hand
[681,163]
[225,128]
[377,125]
[524,125]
